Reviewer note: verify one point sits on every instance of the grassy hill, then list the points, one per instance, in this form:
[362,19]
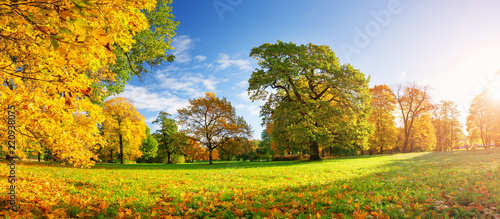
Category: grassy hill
[427,185]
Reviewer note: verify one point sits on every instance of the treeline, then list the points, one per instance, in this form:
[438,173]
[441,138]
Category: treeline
[315,105]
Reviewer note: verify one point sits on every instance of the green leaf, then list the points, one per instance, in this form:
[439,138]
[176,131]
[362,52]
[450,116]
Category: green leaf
[54,43]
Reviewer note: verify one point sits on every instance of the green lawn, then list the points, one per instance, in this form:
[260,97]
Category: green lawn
[427,185]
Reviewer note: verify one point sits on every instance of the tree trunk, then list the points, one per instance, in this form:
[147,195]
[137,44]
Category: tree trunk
[210,156]
[121,149]
[38,156]
[169,158]
[381,149]
[314,151]
[405,146]
[323,153]
[111,154]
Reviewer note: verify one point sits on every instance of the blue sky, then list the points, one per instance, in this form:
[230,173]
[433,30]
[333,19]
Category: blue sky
[452,46]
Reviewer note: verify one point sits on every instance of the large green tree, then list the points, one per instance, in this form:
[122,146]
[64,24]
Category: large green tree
[165,134]
[315,100]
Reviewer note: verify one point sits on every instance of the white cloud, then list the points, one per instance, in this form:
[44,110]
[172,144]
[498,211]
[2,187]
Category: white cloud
[200,58]
[241,85]
[192,85]
[150,101]
[244,96]
[251,107]
[225,61]
[182,45]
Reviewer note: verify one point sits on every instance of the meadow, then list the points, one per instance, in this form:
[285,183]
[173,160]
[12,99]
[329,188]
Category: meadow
[460,184]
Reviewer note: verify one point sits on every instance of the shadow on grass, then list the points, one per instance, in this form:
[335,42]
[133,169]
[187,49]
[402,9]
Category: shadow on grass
[202,165]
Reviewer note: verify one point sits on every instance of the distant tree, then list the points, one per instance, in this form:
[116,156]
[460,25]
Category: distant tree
[447,126]
[413,100]
[212,121]
[316,100]
[483,121]
[124,127]
[264,149]
[149,146]
[165,134]
[193,150]
[382,118]
[423,136]
[234,148]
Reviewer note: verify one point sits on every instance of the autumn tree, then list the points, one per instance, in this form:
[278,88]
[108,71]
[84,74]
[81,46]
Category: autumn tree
[483,119]
[447,126]
[423,136]
[212,121]
[168,128]
[124,128]
[54,59]
[412,100]
[192,150]
[234,148]
[314,100]
[382,118]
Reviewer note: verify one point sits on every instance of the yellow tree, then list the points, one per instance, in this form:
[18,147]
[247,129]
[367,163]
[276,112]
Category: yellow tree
[212,121]
[53,54]
[382,118]
[483,119]
[413,100]
[423,136]
[124,128]
[447,126]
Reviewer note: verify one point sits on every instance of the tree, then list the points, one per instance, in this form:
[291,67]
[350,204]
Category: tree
[149,146]
[423,136]
[413,100]
[193,150]
[447,126]
[264,150]
[55,56]
[148,49]
[212,121]
[165,134]
[235,148]
[315,99]
[124,127]
[483,118]
[382,119]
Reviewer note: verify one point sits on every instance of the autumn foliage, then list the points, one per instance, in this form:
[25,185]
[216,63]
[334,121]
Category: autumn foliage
[124,128]
[212,121]
[53,56]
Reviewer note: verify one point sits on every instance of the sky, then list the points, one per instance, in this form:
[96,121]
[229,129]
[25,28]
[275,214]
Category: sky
[451,46]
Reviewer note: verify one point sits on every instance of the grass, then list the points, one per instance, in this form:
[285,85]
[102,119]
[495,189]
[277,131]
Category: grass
[463,184]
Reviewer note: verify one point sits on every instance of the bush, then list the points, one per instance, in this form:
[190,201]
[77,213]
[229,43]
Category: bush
[288,157]
[266,157]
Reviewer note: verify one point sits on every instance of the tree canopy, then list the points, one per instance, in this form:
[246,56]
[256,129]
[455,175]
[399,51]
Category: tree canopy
[168,128]
[124,128]
[413,100]
[311,99]
[212,121]
[57,57]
